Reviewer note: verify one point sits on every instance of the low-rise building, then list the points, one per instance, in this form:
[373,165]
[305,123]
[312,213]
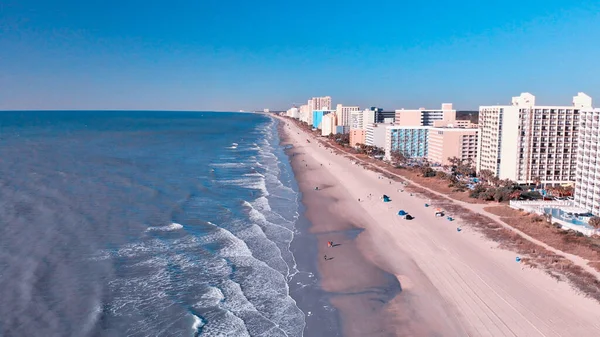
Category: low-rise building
[411,141]
[357,136]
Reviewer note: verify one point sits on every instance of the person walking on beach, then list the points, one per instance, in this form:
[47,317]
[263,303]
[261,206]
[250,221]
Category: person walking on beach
[325,257]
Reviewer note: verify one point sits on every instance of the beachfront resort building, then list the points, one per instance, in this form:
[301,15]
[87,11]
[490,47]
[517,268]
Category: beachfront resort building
[317,118]
[303,113]
[343,112]
[357,136]
[375,134]
[587,182]
[369,117]
[356,120]
[424,117]
[411,141]
[529,143]
[383,116]
[452,139]
[317,104]
[360,119]
[293,113]
[328,125]
[341,129]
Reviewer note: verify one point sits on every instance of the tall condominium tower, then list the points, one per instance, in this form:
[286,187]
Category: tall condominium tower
[343,112]
[424,117]
[529,143]
[587,182]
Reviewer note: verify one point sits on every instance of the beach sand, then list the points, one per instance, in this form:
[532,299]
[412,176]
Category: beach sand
[394,277]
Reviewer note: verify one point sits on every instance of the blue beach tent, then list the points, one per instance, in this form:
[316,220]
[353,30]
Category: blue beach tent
[402,212]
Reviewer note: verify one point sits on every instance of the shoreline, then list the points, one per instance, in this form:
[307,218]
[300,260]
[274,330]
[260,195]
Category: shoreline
[321,319]
[452,284]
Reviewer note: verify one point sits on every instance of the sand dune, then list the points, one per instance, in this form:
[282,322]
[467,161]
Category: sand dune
[453,283]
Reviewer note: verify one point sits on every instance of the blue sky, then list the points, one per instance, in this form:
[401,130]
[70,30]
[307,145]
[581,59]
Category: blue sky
[231,55]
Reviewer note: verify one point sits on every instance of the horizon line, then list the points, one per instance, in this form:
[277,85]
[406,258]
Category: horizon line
[83,110]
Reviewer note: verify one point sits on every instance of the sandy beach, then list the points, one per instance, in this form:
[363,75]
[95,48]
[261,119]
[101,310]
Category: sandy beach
[388,276]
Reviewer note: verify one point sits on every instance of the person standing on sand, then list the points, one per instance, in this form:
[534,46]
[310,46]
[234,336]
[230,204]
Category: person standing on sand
[325,257]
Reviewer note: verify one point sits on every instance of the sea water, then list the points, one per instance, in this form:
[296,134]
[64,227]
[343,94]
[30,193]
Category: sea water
[145,224]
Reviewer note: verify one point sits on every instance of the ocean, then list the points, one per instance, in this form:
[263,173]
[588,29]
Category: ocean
[146,224]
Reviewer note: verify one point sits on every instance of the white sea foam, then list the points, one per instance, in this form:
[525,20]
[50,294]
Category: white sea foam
[231,245]
[242,293]
[211,297]
[228,165]
[197,324]
[172,227]
[254,174]
[248,182]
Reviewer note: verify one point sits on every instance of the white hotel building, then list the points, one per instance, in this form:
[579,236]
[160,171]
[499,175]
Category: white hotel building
[343,112]
[587,184]
[528,143]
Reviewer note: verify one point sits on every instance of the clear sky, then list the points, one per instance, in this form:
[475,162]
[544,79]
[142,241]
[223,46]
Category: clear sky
[231,55]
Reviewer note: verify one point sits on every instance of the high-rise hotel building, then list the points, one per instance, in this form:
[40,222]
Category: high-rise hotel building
[317,103]
[528,143]
[587,183]
[344,112]
[425,117]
